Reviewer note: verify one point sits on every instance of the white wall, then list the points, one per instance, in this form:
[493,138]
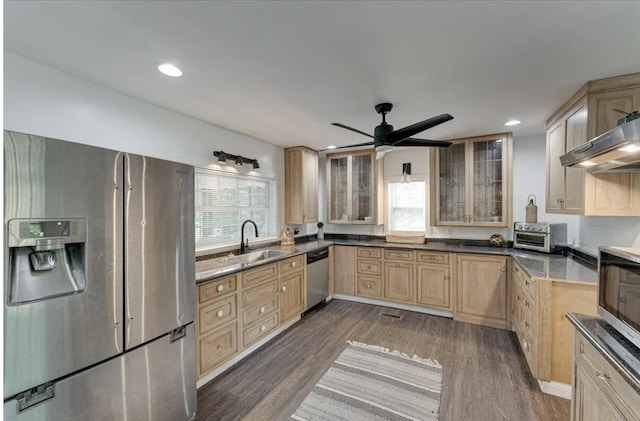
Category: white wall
[43,101]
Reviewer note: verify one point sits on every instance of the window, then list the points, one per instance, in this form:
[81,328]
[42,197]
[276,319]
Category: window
[406,206]
[224,201]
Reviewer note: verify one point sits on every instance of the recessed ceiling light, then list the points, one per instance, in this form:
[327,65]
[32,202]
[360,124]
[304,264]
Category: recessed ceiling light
[331,147]
[170,70]
[512,123]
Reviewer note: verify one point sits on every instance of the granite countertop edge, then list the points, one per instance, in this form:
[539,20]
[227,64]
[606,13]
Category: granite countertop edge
[555,264]
[581,321]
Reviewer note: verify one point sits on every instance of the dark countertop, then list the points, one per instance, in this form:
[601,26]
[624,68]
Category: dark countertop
[615,348]
[542,265]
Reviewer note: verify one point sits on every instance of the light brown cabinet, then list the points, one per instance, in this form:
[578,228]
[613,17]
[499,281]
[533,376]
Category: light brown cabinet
[434,285]
[344,273]
[589,113]
[292,294]
[354,182]
[599,392]
[399,281]
[483,291]
[544,333]
[471,182]
[301,185]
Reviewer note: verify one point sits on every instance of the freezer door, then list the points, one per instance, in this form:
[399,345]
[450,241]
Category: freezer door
[62,297]
[155,382]
[159,248]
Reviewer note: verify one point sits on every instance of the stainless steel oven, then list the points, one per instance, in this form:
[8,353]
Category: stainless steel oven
[619,290]
[539,236]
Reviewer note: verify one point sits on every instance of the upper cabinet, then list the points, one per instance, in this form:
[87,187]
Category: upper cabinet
[471,182]
[354,182]
[301,185]
[589,113]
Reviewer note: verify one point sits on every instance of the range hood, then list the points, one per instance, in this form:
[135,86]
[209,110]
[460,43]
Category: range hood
[617,150]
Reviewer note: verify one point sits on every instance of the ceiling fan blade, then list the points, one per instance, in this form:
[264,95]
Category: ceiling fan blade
[412,141]
[352,129]
[409,131]
[348,146]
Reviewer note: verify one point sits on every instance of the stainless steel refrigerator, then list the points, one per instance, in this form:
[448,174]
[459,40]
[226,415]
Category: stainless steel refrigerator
[99,284]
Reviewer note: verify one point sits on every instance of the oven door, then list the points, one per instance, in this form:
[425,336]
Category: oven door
[531,241]
[619,292]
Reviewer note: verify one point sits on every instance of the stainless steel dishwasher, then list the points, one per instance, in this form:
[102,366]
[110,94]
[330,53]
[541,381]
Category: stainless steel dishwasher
[317,276]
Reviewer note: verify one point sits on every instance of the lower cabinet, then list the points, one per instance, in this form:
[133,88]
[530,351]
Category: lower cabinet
[599,392]
[344,270]
[483,291]
[398,281]
[236,311]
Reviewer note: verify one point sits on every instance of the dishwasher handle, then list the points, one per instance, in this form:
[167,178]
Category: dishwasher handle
[314,256]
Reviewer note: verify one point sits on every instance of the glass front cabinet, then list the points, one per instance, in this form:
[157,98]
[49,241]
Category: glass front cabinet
[353,185]
[471,182]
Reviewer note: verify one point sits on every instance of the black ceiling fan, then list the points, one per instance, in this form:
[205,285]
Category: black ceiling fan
[385,138]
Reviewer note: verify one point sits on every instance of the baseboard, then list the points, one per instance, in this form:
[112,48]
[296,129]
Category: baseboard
[392,304]
[555,388]
[224,367]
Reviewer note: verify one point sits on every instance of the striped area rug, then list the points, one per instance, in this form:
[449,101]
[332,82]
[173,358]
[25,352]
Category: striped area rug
[372,383]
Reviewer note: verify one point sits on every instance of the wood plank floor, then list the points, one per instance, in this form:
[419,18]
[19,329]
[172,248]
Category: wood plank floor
[485,376]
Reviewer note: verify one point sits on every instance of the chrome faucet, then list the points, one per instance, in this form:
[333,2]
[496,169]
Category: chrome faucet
[242,246]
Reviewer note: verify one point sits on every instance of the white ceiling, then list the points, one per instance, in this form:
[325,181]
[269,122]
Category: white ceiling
[283,71]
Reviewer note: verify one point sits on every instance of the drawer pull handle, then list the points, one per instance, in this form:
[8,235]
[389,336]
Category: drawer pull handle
[220,313]
[263,328]
[369,286]
[219,347]
[220,288]
[284,288]
[262,309]
[526,303]
[526,282]
[293,264]
[526,324]
[602,375]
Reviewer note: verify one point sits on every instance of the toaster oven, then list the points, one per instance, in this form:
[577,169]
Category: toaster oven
[539,236]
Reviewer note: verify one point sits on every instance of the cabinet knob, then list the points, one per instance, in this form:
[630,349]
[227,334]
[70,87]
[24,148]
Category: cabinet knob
[220,288]
[602,375]
[515,269]
[525,345]
[446,277]
[526,324]
[293,264]
[369,286]
[503,269]
[219,347]
[526,303]
[262,309]
[263,328]
[526,282]
[220,313]
[397,254]
[284,288]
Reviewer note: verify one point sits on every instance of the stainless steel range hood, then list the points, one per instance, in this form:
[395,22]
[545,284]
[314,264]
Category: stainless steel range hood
[617,150]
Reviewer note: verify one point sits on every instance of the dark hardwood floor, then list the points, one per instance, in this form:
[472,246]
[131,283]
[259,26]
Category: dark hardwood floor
[485,375]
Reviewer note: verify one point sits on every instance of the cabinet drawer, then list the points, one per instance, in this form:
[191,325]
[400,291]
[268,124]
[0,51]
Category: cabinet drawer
[258,275]
[217,313]
[292,263]
[406,255]
[607,378]
[372,252]
[431,257]
[260,329]
[260,293]
[369,267]
[525,280]
[255,312]
[217,347]
[368,285]
[211,290]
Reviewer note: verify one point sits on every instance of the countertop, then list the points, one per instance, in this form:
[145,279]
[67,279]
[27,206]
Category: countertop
[615,348]
[535,264]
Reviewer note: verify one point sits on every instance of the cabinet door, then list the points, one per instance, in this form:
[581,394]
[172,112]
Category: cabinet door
[301,186]
[482,294]
[338,188]
[398,281]
[292,295]
[555,170]
[434,285]
[362,187]
[488,181]
[589,403]
[451,190]
[575,135]
[344,270]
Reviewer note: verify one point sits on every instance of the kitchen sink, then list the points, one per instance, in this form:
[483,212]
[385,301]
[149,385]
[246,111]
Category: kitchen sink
[256,256]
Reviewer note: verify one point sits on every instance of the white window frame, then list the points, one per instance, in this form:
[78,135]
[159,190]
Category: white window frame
[413,179]
[211,244]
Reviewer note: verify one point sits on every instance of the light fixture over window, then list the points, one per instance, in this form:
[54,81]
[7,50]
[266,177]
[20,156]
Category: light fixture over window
[237,159]
[406,172]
